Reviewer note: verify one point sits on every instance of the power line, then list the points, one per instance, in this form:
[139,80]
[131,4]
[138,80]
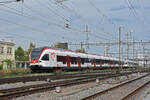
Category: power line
[101,13]
[70,28]
[24,37]
[134,12]
[39,19]
[43,21]
[6,2]
[48,7]
[34,29]
[81,17]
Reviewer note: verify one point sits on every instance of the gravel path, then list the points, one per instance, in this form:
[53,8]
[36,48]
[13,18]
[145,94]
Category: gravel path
[78,92]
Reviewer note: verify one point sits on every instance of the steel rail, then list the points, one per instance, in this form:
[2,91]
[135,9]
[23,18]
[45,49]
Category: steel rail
[17,92]
[53,77]
[133,93]
[110,89]
[45,77]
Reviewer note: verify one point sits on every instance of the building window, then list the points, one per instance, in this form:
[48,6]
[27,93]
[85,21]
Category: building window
[1,50]
[9,50]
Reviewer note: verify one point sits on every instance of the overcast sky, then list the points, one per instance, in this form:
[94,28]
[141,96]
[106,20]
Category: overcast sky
[43,21]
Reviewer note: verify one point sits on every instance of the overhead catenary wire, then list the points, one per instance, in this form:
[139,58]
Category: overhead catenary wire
[61,27]
[76,30]
[24,37]
[49,9]
[132,9]
[135,13]
[81,17]
[101,13]
[35,18]
[71,28]
[10,1]
[28,27]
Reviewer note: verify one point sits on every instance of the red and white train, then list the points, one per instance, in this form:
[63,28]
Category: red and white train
[49,59]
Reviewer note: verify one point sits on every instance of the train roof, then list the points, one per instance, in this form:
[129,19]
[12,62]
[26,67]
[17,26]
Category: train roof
[40,48]
[96,56]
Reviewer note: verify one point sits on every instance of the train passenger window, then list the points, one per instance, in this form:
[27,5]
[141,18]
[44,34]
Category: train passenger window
[87,60]
[45,57]
[103,61]
[97,61]
[92,61]
[72,60]
[64,62]
[82,60]
[61,59]
[76,60]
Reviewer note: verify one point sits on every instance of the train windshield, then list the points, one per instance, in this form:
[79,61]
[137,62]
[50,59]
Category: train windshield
[36,54]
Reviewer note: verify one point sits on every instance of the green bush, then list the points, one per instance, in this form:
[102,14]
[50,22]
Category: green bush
[1,66]
[58,72]
[14,72]
[117,71]
[2,73]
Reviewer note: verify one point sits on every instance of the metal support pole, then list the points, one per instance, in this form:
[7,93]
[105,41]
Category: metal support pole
[133,48]
[81,45]
[127,45]
[119,44]
[87,38]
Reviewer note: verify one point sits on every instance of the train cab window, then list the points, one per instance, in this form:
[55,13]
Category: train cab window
[45,57]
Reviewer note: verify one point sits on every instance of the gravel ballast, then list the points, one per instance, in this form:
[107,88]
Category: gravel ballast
[78,92]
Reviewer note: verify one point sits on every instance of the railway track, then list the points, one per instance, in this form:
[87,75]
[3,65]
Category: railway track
[46,77]
[26,90]
[132,94]
[122,91]
[53,77]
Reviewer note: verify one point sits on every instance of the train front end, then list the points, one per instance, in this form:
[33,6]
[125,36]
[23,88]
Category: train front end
[35,62]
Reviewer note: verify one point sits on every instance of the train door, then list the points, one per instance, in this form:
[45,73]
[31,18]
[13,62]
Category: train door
[101,64]
[68,61]
[79,62]
[94,62]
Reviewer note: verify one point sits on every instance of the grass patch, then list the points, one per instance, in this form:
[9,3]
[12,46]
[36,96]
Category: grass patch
[14,73]
[59,72]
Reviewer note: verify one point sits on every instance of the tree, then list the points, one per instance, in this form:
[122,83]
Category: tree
[61,46]
[19,54]
[26,56]
[31,47]
[1,66]
[81,50]
[8,61]
[27,53]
